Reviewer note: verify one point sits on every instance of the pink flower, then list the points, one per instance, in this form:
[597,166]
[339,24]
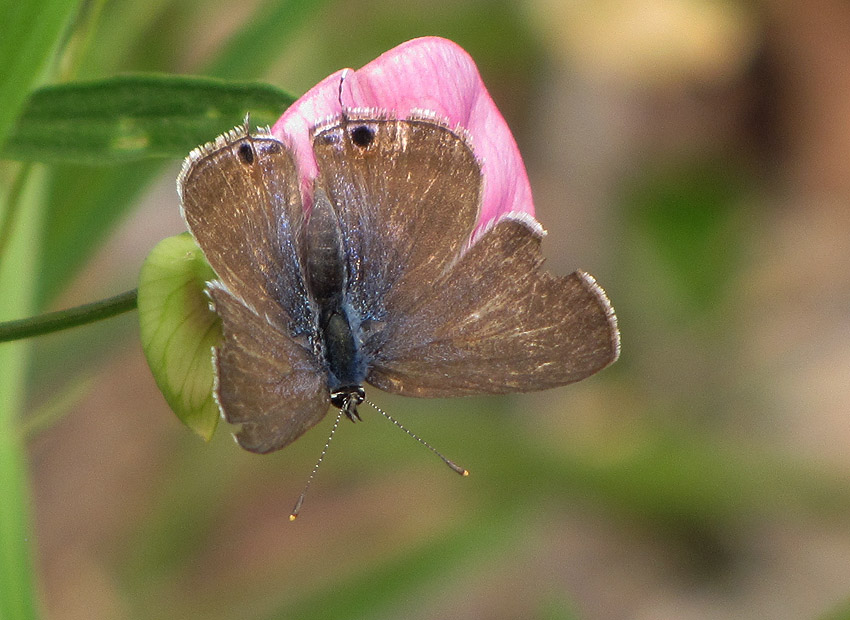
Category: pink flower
[430,75]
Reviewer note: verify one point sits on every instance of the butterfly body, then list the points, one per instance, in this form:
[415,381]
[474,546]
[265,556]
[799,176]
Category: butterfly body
[338,324]
[386,281]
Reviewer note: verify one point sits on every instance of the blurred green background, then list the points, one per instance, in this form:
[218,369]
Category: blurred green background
[691,154]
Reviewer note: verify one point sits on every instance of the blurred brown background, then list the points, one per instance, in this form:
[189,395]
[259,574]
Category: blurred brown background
[695,157]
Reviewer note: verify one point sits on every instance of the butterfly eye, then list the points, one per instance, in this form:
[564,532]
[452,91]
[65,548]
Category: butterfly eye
[362,136]
[246,153]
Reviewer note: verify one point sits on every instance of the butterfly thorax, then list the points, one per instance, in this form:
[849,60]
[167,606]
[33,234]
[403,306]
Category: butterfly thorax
[326,278]
[343,361]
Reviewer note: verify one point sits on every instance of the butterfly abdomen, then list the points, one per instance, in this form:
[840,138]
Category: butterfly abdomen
[341,352]
[326,279]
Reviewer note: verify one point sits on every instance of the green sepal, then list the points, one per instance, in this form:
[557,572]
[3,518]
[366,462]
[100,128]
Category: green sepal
[179,330]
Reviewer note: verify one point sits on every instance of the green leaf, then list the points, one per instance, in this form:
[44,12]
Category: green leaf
[135,117]
[31,32]
[118,120]
[18,274]
[87,203]
[178,330]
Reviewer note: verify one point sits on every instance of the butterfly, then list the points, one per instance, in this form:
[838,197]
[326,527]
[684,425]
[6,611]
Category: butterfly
[384,282]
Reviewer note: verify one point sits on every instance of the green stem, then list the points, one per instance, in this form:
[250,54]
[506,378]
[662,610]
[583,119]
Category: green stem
[65,319]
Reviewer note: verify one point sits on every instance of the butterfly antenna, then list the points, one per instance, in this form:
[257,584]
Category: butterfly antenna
[339,92]
[294,514]
[457,468]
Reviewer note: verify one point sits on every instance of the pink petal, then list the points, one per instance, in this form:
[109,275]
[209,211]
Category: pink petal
[433,75]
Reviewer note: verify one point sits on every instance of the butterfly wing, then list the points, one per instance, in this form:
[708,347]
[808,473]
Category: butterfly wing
[266,381]
[241,202]
[495,324]
[407,196]
[451,322]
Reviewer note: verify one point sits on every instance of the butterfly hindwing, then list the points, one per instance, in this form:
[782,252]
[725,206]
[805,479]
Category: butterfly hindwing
[241,202]
[266,381]
[495,323]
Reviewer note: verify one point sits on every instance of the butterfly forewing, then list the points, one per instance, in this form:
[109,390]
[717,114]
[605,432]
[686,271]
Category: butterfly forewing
[241,202]
[407,194]
[495,323]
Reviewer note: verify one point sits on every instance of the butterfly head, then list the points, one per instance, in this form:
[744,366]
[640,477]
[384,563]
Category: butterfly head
[346,400]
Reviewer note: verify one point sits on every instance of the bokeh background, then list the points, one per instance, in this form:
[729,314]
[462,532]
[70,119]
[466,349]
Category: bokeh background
[694,155]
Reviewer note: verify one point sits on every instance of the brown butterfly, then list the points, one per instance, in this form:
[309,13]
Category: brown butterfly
[381,284]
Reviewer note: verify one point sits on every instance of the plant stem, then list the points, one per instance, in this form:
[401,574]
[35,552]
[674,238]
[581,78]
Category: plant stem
[71,317]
